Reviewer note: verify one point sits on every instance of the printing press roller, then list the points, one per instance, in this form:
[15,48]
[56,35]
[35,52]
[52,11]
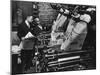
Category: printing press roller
[67,59]
[68,63]
[65,53]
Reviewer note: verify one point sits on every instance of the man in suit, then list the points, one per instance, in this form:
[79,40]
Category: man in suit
[28,45]
[37,28]
[25,27]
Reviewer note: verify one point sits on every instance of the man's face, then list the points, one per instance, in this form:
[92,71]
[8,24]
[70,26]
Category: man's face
[30,18]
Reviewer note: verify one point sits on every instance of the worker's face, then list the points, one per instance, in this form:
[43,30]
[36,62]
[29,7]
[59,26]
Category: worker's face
[30,19]
[37,20]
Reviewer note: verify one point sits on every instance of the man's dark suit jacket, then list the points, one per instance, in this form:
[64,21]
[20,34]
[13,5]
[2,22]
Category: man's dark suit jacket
[37,30]
[23,29]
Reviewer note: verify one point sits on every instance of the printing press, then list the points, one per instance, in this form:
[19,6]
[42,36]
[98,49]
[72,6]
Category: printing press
[51,58]
[64,47]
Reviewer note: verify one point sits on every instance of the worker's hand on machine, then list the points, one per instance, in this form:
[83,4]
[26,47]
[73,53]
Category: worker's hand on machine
[61,10]
[23,38]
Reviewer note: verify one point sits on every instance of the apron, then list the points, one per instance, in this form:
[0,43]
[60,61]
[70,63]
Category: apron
[27,44]
[58,23]
[75,35]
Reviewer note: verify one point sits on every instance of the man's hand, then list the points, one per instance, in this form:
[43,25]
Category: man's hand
[19,60]
[23,38]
